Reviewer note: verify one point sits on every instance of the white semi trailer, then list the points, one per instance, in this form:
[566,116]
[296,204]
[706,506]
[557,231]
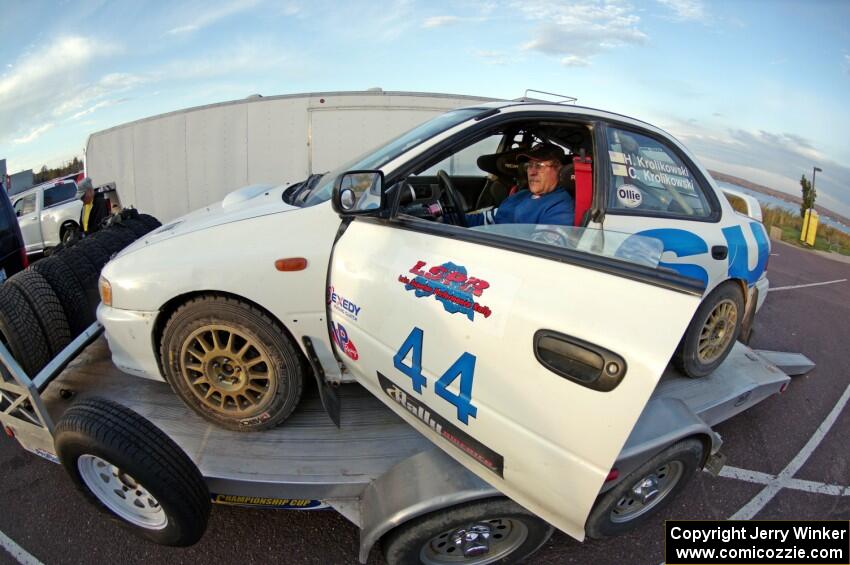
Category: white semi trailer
[170,164]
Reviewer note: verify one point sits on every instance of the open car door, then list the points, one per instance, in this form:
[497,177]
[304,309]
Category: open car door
[527,362]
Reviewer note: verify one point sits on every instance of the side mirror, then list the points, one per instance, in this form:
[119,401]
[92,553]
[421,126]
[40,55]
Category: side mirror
[359,193]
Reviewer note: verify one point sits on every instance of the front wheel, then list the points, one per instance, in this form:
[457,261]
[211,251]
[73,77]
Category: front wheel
[712,332]
[645,491]
[232,363]
[487,531]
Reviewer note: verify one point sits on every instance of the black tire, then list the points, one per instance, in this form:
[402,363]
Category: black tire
[249,400]
[95,251]
[71,293]
[137,227]
[20,331]
[109,241]
[149,221]
[616,512]
[423,536]
[125,236]
[85,272]
[46,306]
[688,357]
[96,432]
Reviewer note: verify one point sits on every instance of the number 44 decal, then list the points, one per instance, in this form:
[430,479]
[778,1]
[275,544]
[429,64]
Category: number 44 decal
[464,368]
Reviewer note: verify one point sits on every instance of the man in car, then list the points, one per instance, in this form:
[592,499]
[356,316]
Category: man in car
[545,201]
[94,208]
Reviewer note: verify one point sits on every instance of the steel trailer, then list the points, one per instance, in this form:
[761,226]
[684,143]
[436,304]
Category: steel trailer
[373,468]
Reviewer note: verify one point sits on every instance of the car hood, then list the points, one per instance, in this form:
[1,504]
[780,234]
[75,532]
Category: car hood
[242,204]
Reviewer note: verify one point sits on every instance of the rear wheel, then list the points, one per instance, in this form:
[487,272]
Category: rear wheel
[232,363]
[487,531]
[712,332]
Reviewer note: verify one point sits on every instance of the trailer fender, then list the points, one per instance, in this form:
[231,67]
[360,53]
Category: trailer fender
[664,421]
[422,483]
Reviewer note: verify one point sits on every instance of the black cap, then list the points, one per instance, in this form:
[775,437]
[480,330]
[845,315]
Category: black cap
[543,152]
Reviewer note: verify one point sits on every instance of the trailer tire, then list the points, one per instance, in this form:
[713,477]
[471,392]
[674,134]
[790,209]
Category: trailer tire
[712,333]
[71,293]
[123,234]
[620,509]
[46,306]
[223,338]
[108,240]
[134,472]
[515,534]
[20,331]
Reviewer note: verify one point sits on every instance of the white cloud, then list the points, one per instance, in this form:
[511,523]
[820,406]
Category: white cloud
[214,14]
[46,85]
[33,135]
[685,10]
[577,32]
[492,57]
[439,21]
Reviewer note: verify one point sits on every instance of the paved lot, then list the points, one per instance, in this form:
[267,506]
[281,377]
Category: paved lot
[784,461]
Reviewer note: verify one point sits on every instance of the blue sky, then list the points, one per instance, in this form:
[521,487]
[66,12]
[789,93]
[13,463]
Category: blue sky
[756,89]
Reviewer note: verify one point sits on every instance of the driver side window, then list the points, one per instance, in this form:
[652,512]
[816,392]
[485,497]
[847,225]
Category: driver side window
[648,176]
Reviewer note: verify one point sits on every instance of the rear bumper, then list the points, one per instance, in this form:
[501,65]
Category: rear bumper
[129,335]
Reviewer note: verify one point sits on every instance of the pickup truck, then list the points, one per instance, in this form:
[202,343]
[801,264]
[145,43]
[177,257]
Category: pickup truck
[48,214]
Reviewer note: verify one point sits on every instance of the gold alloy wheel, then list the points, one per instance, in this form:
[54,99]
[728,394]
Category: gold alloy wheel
[718,331]
[227,370]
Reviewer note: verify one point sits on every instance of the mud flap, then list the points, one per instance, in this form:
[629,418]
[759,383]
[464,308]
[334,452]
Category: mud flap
[330,400]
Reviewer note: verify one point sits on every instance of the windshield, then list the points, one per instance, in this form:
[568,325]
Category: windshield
[386,153]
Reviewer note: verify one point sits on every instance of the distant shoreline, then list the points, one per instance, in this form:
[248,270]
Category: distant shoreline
[777,194]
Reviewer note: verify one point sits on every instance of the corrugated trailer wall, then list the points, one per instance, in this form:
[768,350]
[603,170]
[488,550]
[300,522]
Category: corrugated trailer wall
[171,164]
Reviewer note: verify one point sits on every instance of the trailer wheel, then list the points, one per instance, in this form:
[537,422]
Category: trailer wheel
[130,469]
[232,363]
[712,332]
[486,531]
[645,491]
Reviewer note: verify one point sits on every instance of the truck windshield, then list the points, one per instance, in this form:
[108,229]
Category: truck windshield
[321,191]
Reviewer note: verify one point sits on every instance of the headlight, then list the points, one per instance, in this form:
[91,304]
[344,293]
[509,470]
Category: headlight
[105,290]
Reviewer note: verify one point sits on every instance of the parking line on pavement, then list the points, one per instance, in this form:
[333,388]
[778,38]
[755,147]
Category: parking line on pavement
[754,506]
[804,285]
[19,553]
[793,484]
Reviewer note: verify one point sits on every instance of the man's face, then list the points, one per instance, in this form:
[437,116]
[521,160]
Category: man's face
[543,176]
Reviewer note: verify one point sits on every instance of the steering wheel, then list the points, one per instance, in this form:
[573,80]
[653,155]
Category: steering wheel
[456,203]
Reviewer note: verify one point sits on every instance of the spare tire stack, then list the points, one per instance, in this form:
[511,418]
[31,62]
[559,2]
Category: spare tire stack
[43,308]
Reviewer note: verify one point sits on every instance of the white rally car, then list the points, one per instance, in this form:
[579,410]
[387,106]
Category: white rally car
[508,345]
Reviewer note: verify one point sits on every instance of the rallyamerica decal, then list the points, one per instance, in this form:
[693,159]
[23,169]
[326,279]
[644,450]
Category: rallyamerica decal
[448,431]
[449,284]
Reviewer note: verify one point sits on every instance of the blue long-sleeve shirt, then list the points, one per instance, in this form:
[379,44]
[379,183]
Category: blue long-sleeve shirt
[553,208]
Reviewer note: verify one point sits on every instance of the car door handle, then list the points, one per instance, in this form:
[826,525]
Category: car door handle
[719,252]
[582,362]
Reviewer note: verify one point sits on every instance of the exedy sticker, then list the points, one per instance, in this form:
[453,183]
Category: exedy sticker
[449,284]
[343,305]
